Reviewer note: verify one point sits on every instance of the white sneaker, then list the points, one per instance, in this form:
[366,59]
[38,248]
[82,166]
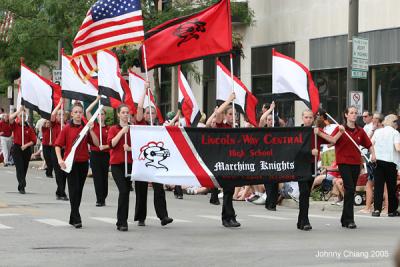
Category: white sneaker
[261,200]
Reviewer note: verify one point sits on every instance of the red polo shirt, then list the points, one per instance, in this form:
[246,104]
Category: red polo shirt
[104,131]
[223,125]
[45,136]
[55,131]
[5,128]
[346,152]
[117,153]
[29,133]
[66,140]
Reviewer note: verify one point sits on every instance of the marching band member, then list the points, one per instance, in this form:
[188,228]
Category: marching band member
[99,156]
[21,152]
[348,158]
[46,144]
[305,183]
[141,188]
[116,142]
[76,178]
[55,129]
[228,213]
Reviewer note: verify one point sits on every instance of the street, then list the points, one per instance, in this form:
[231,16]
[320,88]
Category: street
[34,231]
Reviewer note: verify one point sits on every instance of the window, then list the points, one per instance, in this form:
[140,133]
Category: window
[209,79]
[388,78]
[261,77]
[165,94]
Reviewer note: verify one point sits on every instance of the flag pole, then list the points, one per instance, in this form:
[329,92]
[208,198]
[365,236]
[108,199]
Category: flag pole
[147,80]
[233,90]
[62,114]
[126,155]
[351,139]
[316,156]
[273,118]
[23,125]
[100,126]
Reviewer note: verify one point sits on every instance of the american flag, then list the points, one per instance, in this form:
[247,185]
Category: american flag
[5,25]
[108,23]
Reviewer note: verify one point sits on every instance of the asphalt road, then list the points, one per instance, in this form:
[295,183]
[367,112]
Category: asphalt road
[34,231]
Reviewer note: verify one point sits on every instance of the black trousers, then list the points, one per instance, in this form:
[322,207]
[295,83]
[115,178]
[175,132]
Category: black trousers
[272,195]
[214,194]
[349,174]
[61,176]
[76,180]
[178,190]
[99,163]
[160,204]
[228,211]
[305,184]
[123,184]
[385,172]
[47,159]
[21,161]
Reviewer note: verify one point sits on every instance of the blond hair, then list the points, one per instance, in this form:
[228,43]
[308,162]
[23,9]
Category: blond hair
[390,120]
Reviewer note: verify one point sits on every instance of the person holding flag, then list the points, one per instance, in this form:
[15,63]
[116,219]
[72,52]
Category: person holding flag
[348,158]
[119,141]
[55,129]
[77,176]
[47,147]
[228,213]
[99,156]
[146,117]
[24,140]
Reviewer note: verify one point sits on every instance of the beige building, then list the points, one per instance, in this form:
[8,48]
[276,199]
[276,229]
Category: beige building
[315,33]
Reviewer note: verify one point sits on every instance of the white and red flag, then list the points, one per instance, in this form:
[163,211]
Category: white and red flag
[38,93]
[187,102]
[165,155]
[110,81]
[291,79]
[245,101]
[137,85]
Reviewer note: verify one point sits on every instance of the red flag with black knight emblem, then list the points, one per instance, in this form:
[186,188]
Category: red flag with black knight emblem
[186,101]
[188,38]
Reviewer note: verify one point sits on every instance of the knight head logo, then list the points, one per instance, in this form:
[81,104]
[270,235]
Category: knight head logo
[190,30]
[154,153]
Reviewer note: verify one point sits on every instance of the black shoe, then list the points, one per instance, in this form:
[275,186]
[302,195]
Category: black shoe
[376,213]
[59,197]
[122,228]
[141,223]
[351,225]
[271,208]
[65,198]
[166,220]
[394,214]
[227,223]
[21,191]
[235,223]
[215,201]
[306,227]
[100,204]
[178,196]
[49,175]
[77,225]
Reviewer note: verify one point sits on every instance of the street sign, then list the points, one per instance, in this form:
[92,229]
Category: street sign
[57,76]
[359,67]
[357,100]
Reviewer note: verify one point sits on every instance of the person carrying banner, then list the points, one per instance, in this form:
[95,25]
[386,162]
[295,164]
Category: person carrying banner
[348,158]
[116,141]
[55,129]
[77,176]
[46,144]
[305,183]
[99,156]
[21,151]
[228,212]
[141,188]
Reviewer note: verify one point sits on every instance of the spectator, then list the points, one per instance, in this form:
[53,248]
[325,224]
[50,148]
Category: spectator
[367,119]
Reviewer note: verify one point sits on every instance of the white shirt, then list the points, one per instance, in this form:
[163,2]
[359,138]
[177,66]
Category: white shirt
[368,128]
[384,140]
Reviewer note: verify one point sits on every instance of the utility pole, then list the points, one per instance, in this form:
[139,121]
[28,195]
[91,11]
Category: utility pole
[353,31]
